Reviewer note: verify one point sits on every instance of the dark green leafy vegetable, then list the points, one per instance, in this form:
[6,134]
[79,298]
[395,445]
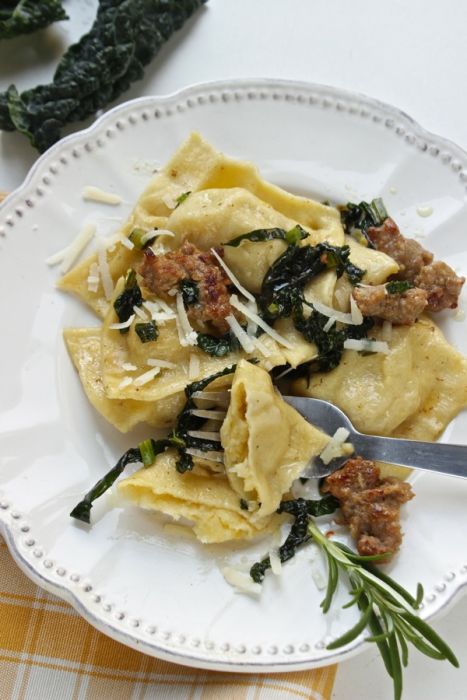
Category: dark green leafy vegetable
[147,331]
[301,509]
[125,37]
[357,219]
[292,237]
[387,609]
[27,16]
[243,504]
[398,286]
[190,292]
[130,297]
[217,346]
[137,237]
[182,198]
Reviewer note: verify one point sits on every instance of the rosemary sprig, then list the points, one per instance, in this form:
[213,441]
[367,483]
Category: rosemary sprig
[387,609]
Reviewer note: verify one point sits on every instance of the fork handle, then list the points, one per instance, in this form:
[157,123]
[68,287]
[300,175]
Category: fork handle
[430,456]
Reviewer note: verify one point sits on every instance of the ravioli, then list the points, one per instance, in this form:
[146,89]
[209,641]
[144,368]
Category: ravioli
[83,345]
[266,442]
[208,502]
[413,392]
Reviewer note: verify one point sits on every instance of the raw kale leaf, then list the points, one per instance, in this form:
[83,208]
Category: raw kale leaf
[301,509]
[292,237]
[27,16]
[357,219]
[125,37]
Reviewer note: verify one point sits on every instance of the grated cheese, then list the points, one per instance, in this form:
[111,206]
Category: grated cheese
[140,313]
[237,304]
[104,270]
[356,314]
[186,334]
[335,447]
[245,341]
[244,292]
[128,367]
[329,324]
[93,278]
[154,362]
[334,313]
[123,324]
[366,345]
[209,455]
[67,256]
[193,366]
[205,435]
[147,376]
[125,382]
[127,243]
[240,580]
[276,564]
[95,194]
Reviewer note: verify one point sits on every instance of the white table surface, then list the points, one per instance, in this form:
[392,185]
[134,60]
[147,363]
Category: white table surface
[411,53]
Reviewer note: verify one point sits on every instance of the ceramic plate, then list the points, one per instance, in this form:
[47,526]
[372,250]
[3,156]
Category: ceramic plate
[126,575]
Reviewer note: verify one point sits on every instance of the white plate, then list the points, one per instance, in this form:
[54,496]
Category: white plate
[163,595]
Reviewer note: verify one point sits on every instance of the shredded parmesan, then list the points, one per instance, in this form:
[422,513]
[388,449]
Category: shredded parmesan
[333,313]
[93,278]
[154,362]
[366,345]
[356,314]
[95,194]
[335,447]
[127,243]
[123,324]
[170,202]
[386,332]
[146,377]
[245,341]
[128,367]
[209,455]
[193,366]
[162,232]
[244,292]
[329,324]
[276,564]
[140,313]
[186,334]
[264,350]
[125,382]
[237,304]
[209,414]
[104,270]
[240,580]
[205,435]
[68,255]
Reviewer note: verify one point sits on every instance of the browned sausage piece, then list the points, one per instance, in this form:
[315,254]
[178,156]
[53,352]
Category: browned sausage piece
[441,284]
[162,273]
[408,254]
[370,505]
[402,308]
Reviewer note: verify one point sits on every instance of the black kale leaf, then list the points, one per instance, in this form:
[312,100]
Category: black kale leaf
[26,16]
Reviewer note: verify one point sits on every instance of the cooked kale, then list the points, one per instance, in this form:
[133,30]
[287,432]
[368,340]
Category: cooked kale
[182,198]
[357,219]
[285,280]
[137,237]
[243,504]
[26,16]
[292,237]
[190,292]
[398,286]
[130,297]
[125,37]
[147,331]
[217,346]
[301,509]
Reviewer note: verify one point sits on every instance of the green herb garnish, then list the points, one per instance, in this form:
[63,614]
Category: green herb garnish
[130,297]
[398,286]
[26,16]
[182,198]
[137,237]
[147,332]
[190,292]
[125,37]
[358,218]
[292,237]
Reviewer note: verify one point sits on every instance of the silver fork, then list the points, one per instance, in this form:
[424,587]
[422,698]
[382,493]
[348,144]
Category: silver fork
[430,456]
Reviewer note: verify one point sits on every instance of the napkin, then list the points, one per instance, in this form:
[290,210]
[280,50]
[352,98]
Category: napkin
[48,652]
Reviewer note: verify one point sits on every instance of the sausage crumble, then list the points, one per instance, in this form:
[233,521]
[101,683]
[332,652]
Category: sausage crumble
[163,273]
[370,505]
[403,309]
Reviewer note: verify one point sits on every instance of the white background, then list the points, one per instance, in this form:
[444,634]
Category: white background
[411,53]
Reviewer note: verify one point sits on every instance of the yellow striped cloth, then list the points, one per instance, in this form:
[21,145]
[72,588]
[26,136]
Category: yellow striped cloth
[47,652]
